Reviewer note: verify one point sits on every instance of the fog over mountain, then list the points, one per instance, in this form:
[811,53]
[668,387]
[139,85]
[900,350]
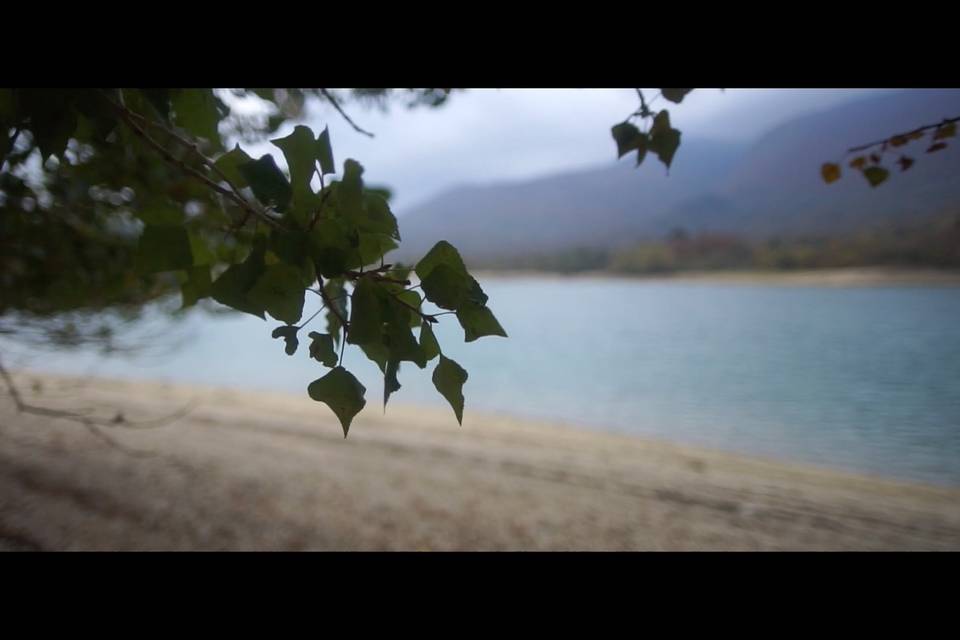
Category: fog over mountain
[768,188]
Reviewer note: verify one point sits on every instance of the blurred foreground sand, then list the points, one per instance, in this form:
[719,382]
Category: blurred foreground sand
[270,471]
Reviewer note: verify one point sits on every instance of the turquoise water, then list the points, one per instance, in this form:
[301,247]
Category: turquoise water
[859,379]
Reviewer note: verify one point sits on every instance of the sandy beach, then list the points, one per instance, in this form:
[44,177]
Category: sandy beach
[267,471]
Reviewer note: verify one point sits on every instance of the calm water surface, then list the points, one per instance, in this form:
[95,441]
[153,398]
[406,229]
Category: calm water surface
[858,379]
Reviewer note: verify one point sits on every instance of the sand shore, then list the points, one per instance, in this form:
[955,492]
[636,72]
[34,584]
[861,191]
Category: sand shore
[268,471]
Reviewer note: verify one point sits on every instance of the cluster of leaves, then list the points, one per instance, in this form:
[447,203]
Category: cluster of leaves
[655,133]
[115,197]
[869,158]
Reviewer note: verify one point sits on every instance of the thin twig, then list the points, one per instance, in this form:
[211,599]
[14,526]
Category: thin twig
[93,425]
[331,306]
[336,105]
[192,146]
[431,318]
[322,307]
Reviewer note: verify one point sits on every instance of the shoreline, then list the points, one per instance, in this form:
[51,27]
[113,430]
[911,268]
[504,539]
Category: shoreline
[405,412]
[267,470]
[845,277]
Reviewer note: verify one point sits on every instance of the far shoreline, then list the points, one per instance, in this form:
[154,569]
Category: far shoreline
[845,277]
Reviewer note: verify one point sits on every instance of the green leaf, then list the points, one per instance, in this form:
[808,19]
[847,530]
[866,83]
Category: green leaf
[374,246]
[442,253]
[267,181]
[376,352]
[229,163]
[299,149]
[675,95]
[446,287]
[428,342]
[478,321]
[342,392]
[325,152]
[664,140]
[411,298]
[334,247]
[161,215]
[390,381]
[377,216]
[399,337]
[445,280]
[350,191]
[293,248]
[875,175]
[197,111]
[321,349]
[279,291]
[202,255]
[163,248]
[475,294]
[94,117]
[448,378]
[232,286]
[289,335]
[365,313]
[197,285]
[384,192]
[628,138]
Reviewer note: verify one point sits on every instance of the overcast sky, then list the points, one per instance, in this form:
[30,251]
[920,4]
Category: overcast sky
[485,135]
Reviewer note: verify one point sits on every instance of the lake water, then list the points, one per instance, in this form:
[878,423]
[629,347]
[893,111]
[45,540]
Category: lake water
[858,379]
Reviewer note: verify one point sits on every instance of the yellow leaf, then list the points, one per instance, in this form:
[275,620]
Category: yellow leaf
[946,131]
[899,141]
[830,172]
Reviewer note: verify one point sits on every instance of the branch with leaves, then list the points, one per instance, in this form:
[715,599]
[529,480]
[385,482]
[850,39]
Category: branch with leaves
[161,158]
[871,165]
[654,134]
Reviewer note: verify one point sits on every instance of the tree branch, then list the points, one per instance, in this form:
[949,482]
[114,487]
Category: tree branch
[128,118]
[336,105]
[90,423]
[907,135]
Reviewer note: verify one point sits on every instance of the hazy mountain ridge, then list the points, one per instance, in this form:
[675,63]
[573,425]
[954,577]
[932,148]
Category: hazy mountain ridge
[776,189]
[769,188]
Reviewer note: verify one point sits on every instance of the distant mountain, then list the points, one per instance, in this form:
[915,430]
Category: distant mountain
[770,188]
[597,208]
[776,187]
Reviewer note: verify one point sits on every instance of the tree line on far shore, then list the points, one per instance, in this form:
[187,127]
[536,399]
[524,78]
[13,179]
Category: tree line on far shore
[931,243]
